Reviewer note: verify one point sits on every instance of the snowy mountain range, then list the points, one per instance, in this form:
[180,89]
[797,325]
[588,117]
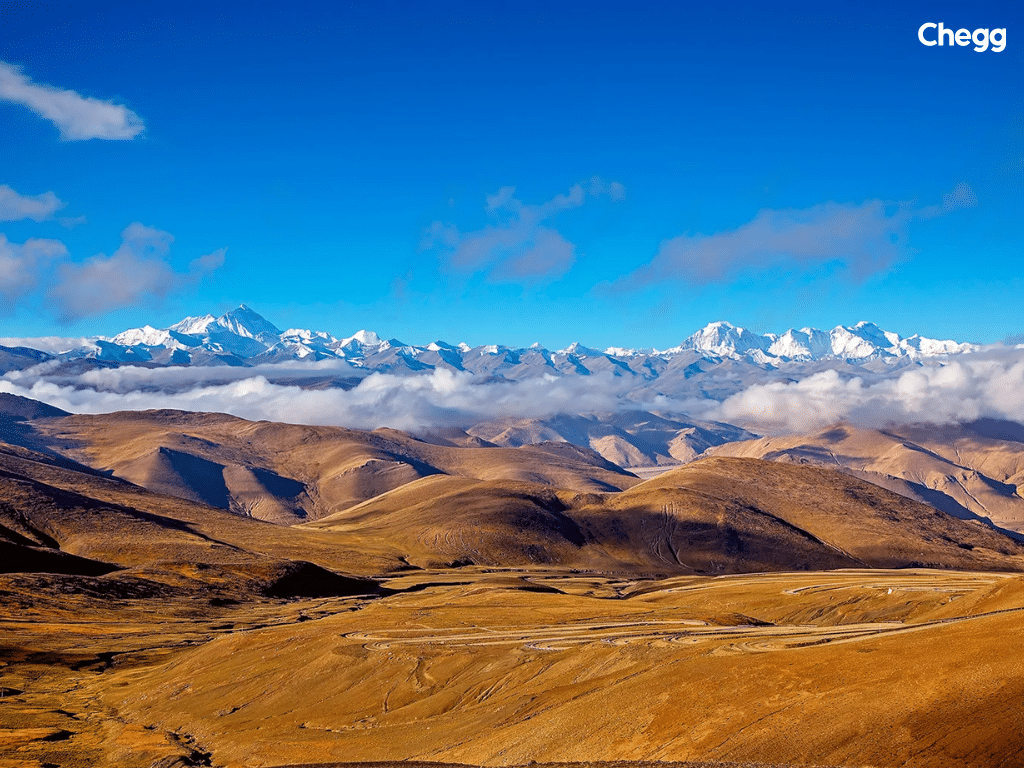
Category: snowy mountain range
[242,337]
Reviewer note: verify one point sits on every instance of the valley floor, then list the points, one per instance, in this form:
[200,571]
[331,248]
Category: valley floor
[502,667]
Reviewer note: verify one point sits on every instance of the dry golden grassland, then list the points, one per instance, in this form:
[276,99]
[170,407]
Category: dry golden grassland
[504,666]
[483,606]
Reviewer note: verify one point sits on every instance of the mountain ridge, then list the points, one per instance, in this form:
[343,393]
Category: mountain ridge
[244,337]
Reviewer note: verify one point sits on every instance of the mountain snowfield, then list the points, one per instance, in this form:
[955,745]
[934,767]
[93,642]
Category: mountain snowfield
[242,337]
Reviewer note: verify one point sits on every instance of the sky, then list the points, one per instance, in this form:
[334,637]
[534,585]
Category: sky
[614,174]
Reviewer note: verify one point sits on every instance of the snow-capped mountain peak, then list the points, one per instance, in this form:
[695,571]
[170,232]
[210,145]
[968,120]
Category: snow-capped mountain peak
[578,349]
[726,340]
[242,337]
[437,346]
[863,340]
[363,337]
[244,322]
[193,325]
[147,335]
[300,334]
[801,344]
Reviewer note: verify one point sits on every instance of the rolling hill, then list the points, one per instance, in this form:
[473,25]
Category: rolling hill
[729,612]
[629,438]
[971,471]
[712,516]
[288,473]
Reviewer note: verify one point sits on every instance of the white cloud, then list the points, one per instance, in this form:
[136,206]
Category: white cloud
[129,378]
[983,384]
[208,263]
[442,397]
[867,238]
[15,207]
[53,344]
[22,265]
[961,196]
[78,117]
[138,270]
[989,384]
[518,247]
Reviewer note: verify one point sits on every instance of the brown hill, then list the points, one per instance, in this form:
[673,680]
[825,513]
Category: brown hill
[869,523]
[627,438]
[712,516]
[385,499]
[286,473]
[972,471]
[150,630]
[59,520]
[448,521]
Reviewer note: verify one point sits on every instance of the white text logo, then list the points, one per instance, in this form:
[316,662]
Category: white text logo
[962,37]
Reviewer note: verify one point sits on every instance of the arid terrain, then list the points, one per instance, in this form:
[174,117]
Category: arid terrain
[406,601]
[969,470]
[287,473]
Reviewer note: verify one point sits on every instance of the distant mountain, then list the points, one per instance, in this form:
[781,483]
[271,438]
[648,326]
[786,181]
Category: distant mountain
[861,342]
[242,337]
[648,389]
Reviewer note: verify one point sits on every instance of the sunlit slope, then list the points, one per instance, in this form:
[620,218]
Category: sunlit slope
[628,438]
[56,519]
[968,470]
[875,526]
[816,669]
[286,473]
[712,516]
[507,620]
[443,520]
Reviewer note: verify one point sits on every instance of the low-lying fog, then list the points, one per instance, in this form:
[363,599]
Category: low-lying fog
[983,384]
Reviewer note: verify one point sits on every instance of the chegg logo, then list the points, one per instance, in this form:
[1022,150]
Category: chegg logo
[936,34]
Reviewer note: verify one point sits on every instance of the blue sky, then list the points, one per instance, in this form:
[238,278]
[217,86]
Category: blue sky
[510,172]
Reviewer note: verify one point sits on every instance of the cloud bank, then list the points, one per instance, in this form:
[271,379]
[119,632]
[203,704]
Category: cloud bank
[126,379]
[520,247]
[77,117]
[52,344]
[989,385]
[984,384]
[441,398]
